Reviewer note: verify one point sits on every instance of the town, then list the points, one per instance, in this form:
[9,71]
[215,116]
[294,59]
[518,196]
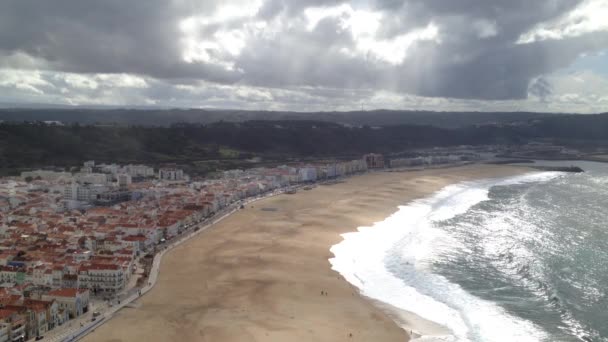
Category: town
[71,242]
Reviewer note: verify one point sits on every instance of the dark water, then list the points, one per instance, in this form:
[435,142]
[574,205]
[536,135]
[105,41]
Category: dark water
[536,253]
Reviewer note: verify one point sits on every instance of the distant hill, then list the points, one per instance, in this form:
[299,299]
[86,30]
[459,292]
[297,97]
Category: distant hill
[167,117]
[204,146]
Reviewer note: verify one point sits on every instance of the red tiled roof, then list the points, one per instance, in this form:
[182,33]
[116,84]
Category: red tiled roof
[5,313]
[68,292]
[134,238]
[100,267]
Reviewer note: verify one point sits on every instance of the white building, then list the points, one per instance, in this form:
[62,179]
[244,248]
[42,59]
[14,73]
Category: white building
[124,180]
[171,174]
[139,170]
[92,178]
[82,193]
[152,234]
[331,170]
[74,301]
[109,168]
[102,277]
[8,274]
[42,276]
[308,173]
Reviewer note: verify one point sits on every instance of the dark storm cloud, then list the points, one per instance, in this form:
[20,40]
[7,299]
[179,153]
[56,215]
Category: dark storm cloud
[475,56]
[501,73]
[109,36]
[512,16]
[307,58]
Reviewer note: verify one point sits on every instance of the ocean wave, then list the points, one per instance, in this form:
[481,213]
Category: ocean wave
[363,259]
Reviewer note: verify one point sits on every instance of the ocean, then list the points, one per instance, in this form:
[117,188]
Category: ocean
[513,259]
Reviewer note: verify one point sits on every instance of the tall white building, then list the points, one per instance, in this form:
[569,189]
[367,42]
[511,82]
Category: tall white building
[124,180]
[308,173]
[92,178]
[171,174]
[82,193]
[109,168]
[102,277]
[139,170]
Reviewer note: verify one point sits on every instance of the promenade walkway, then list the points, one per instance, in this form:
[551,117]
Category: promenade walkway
[76,329]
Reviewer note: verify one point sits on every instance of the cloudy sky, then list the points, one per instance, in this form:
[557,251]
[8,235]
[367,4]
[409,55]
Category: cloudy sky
[308,55]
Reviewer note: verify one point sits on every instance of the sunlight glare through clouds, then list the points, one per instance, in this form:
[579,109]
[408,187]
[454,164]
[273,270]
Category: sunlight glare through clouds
[590,16]
[364,26]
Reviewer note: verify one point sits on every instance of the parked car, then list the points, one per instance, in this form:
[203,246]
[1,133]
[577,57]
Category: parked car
[38,338]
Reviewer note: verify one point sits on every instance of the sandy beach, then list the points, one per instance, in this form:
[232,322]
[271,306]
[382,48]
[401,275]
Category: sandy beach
[258,275]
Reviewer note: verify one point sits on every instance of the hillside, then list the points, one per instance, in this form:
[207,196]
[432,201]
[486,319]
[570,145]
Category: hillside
[35,145]
[162,117]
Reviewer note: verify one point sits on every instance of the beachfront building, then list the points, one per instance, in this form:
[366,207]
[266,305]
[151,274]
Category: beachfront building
[152,234]
[169,227]
[44,315]
[350,167]
[331,170]
[74,301]
[308,173]
[288,173]
[408,162]
[109,278]
[374,161]
[16,320]
[138,243]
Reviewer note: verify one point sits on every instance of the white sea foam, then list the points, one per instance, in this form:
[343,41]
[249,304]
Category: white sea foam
[362,259]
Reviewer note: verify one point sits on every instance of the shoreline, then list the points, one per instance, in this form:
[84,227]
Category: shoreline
[249,284]
[410,301]
[414,325]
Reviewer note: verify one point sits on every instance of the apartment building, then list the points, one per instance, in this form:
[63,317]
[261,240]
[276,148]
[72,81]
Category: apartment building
[83,193]
[171,174]
[374,161]
[74,301]
[102,278]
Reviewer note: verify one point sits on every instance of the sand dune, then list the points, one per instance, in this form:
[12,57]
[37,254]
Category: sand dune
[258,275]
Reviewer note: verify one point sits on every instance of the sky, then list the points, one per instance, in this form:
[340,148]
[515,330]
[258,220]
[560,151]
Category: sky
[307,55]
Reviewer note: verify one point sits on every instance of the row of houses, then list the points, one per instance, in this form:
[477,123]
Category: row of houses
[321,171]
[27,312]
[96,248]
[433,160]
[90,272]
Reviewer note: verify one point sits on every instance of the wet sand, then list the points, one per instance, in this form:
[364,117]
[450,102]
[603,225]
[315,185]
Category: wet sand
[258,274]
